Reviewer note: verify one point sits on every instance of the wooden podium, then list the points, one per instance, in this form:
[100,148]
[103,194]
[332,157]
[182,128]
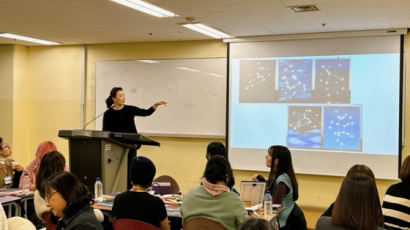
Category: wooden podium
[102,154]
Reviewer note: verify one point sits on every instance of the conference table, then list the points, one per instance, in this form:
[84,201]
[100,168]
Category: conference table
[15,200]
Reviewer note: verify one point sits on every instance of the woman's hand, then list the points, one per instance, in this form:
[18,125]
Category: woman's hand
[255,177]
[158,103]
[17,167]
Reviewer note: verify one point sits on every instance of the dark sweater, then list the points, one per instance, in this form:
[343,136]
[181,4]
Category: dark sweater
[139,206]
[123,120]
[83,219]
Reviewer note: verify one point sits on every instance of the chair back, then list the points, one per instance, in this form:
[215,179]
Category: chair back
[129,224]
[20,223]
[49,224]
[174,185]
[202,223]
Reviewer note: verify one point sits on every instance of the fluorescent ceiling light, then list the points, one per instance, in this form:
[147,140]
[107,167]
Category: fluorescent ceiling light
[29,39]
[201,28]
[188,69]
[149,61]
[303,8]
[146,8]
[214,75]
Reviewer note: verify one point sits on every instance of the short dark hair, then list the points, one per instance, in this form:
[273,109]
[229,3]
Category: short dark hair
[218,169]
[405,170]
[73,191]
[113,93]
[256,224]
[142,171]
[51,163]
[357,205]
[216,148]
[1,140]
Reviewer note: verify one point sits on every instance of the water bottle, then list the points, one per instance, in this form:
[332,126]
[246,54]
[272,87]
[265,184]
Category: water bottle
[98,189]
[267,203]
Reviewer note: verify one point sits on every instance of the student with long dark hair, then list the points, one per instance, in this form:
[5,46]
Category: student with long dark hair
[120,118]
[355,169]
[357,206]
[396,201]
[283,186]
[217,148]
[50,163]
[70,200]
[213,199]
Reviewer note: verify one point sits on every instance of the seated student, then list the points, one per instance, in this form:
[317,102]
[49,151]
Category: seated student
[357,206]
[212,198]
[363,169]
[51,163]
[28,178]
[396,201]
[69,199]
[256,224]
[137,204]
[283,186]
[217,148]
[10,170]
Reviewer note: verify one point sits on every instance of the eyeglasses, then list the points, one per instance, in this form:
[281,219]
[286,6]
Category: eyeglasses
[48,196]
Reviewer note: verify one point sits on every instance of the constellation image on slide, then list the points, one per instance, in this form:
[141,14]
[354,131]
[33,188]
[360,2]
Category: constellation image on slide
[295,80]
[332,83]
[342,127]
[257,81]
[304,126]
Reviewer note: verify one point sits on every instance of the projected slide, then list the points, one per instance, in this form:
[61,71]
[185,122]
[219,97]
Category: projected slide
[332,83]
[342,127]
[295,80]
[334,102]
[257,80]
[304,126]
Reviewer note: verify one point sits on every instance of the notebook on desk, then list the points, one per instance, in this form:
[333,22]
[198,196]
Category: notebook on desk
[252,191]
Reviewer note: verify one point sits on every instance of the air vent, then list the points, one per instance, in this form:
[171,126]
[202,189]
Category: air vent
[303,8]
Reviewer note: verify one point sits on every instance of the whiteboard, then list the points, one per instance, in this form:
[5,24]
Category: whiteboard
[195,90]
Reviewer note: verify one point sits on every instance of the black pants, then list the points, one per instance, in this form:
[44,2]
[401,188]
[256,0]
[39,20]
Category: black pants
[296,220]
[131,154]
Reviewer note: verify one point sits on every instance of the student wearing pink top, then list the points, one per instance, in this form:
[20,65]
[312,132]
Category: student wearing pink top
[28,177]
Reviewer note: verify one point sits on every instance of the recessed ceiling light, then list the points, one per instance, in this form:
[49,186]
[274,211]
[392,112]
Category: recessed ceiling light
[28,39]
[303,8]
[146,7]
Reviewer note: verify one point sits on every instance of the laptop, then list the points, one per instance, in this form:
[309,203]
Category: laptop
[252,192]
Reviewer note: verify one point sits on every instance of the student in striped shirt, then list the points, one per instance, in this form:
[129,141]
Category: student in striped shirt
[396,201]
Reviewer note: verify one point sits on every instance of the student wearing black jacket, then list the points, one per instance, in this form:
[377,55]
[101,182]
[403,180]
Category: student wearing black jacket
[70,200]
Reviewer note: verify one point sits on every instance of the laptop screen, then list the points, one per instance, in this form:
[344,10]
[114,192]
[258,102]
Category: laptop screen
[252,192]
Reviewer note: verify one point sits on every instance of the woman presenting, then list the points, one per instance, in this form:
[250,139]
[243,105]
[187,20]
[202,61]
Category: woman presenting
[120,117]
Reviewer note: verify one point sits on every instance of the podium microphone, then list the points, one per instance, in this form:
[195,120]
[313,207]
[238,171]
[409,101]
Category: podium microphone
[95,118]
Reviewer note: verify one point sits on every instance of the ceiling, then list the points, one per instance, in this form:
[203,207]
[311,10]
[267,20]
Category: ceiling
[103,21]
